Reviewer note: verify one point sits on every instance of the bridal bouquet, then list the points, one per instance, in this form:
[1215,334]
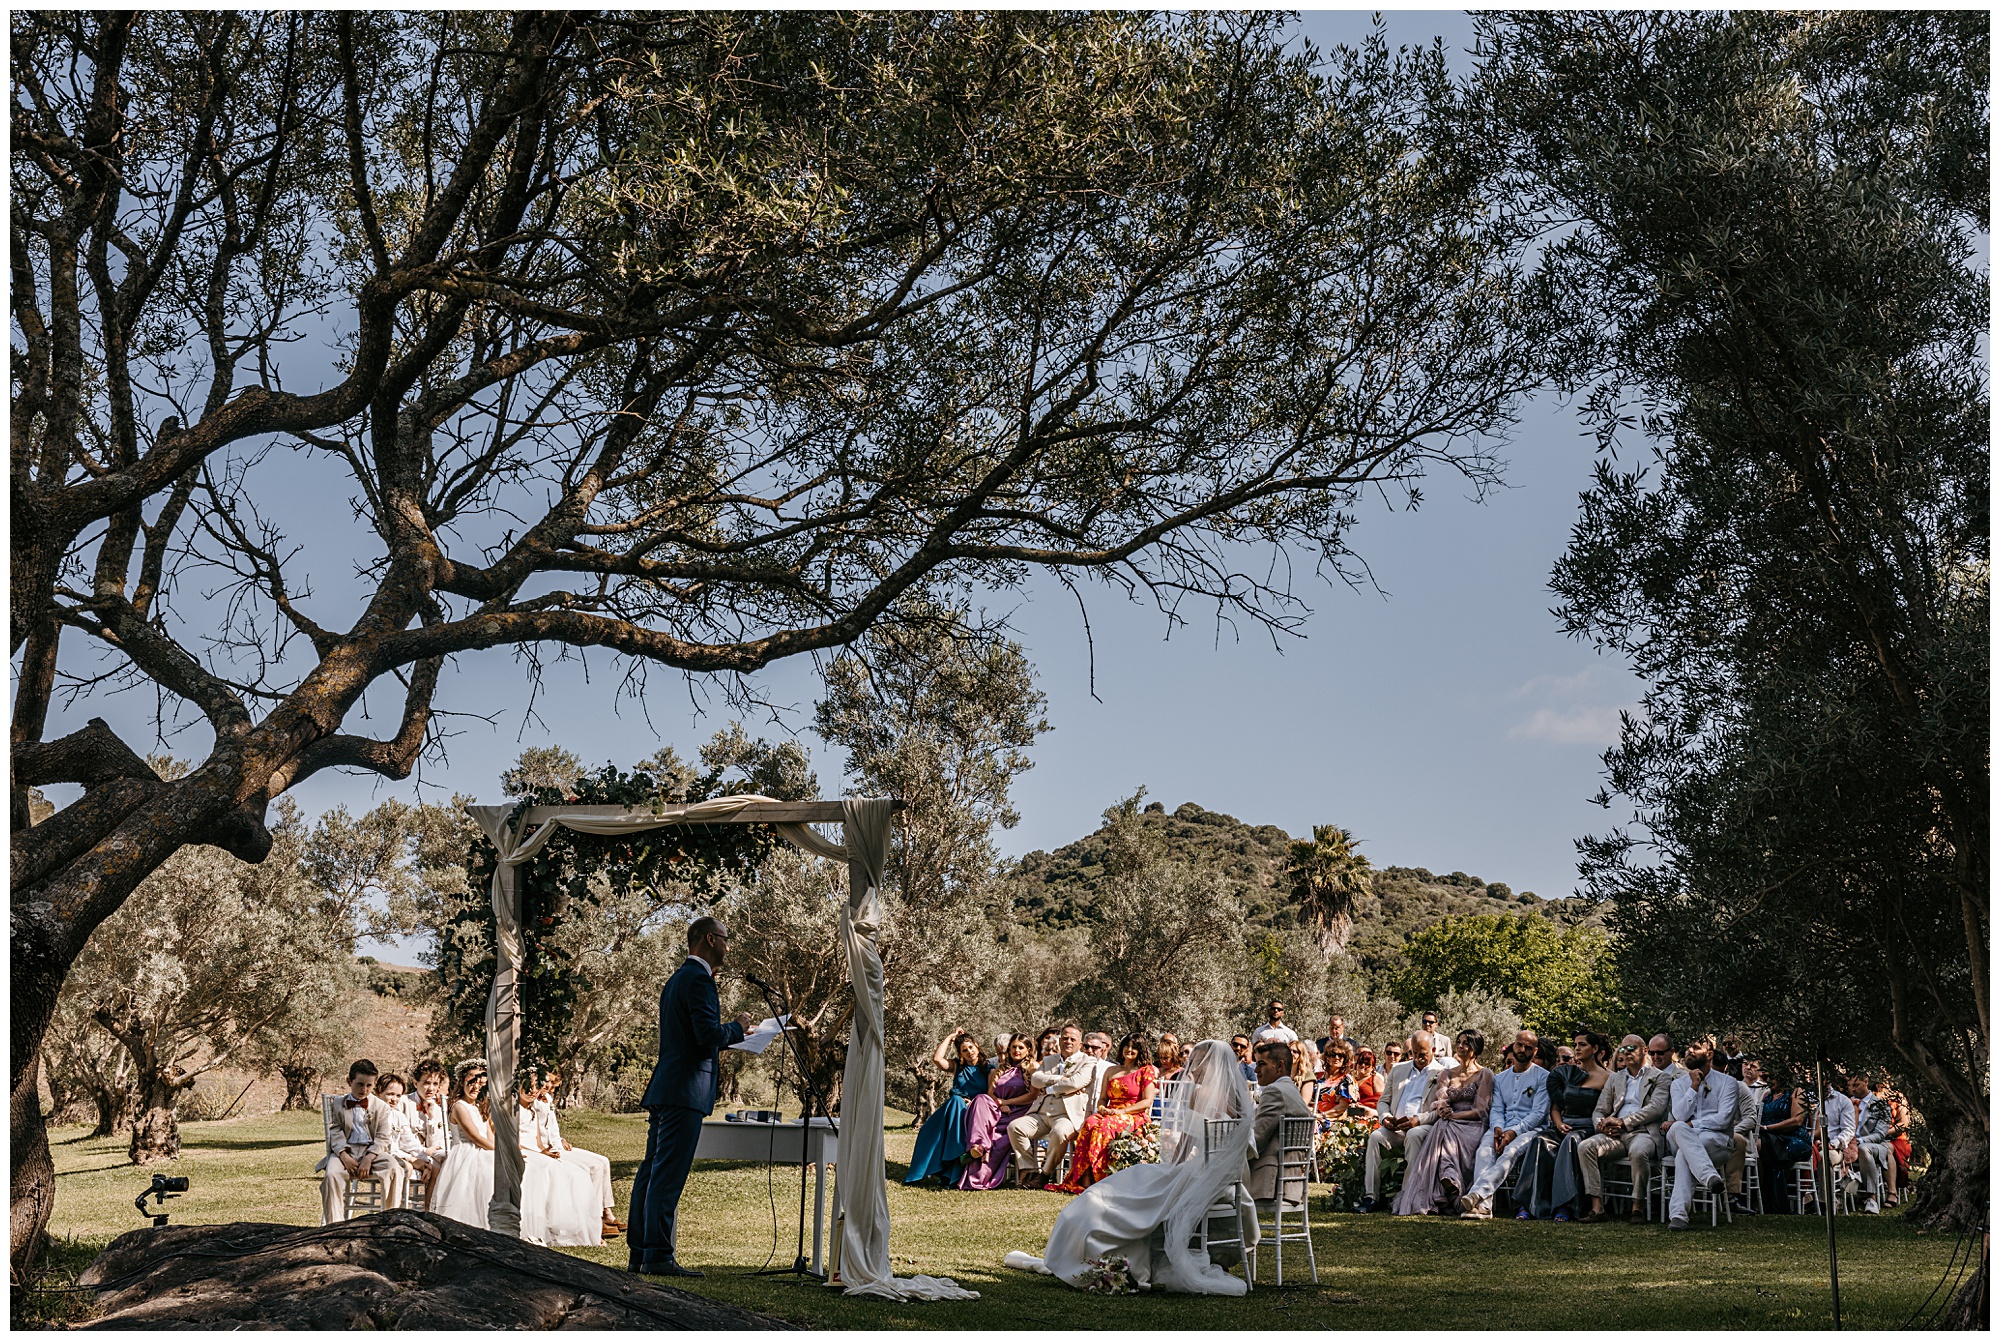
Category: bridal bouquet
[1109,1275]
[1141,1145]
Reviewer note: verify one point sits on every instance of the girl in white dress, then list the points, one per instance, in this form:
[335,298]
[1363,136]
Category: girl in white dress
[559,1206]
[464,1186]
[596,1165]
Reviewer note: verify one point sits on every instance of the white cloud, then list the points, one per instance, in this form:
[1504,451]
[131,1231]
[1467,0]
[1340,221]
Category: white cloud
[1569,726]
[1573,709]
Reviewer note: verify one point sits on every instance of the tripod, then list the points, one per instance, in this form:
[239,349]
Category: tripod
[799,1266]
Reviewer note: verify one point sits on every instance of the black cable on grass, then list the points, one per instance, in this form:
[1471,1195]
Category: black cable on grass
[1911,1321]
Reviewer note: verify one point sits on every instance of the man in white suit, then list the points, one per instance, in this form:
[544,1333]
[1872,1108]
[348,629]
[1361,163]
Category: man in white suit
[357,1146]
[1064,1081]
[1701,1129]
[1407,1096]
[1277,1098]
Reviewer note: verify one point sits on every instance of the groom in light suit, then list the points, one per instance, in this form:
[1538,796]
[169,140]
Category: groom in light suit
[1065,1083]
[681,1094]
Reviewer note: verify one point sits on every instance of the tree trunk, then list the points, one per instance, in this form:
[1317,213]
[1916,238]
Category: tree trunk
[1953,1195]
[1970,1311]
[115,1106]
[298,1088]
[32,1192]
[156,1132]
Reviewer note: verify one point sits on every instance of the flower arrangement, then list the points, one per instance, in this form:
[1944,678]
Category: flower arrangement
[1140,1145]
[1338,1149]
[1109,1275]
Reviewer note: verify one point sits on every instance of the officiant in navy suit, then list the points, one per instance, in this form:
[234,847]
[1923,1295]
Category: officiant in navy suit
[681,1093]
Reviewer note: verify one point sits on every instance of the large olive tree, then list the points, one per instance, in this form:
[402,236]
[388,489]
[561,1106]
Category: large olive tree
[700,338]
[1774,225]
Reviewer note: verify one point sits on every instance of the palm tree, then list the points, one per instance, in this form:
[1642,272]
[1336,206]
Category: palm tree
[1328,878]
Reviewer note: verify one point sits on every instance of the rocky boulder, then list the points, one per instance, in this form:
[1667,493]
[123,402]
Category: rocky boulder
[397,1270]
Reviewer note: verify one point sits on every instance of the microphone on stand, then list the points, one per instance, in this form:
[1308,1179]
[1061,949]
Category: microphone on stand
[756,981]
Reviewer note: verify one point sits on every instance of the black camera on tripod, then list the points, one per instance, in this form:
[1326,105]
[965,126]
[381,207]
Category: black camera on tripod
[162,1188]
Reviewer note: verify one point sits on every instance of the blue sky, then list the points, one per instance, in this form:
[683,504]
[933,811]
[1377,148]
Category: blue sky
[1444,719]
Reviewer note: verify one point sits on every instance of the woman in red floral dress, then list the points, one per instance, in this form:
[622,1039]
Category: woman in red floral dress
[1127,1105]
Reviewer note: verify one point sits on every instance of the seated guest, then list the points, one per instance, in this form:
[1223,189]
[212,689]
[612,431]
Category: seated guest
[465,1185]
[1302,1071]
[1749,1101]
[1520,1110]
[1871,1137]
[1062,1103]
[1662,1056]
[1098,1044]
[404,1146]
[1731,1060]
[1701,1129]
[1278,1098]
[425,1106]
[1336,1034]
[941,1141]
[1333,1092]
[1410,1092]
[1442,1046]
[1367,1079]
[1045,1044]
[1392,1052]
[559,1207]
[1786,1135]
[596,1165]
[1169,1058]
[357,1145]
[987,1151]
[1125,1104]
[1274,1026]
[1240,1045]
[1898,1170]
[1838,1126]
[1629,1109]
[1550,1183]
[1458,1116]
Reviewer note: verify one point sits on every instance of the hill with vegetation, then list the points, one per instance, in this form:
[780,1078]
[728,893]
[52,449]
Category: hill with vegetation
[1055,890]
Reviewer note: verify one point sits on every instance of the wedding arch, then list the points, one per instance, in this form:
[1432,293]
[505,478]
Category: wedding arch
[860,1200]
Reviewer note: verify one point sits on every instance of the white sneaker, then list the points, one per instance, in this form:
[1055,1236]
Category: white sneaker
[1473,1207]
[1871,1207]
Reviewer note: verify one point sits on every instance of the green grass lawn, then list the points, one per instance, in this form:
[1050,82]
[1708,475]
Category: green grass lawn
[1374,1271]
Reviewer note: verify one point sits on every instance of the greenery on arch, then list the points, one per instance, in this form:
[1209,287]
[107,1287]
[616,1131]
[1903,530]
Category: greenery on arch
[692,865]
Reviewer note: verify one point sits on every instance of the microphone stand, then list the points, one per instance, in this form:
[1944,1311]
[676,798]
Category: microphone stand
[799,1266]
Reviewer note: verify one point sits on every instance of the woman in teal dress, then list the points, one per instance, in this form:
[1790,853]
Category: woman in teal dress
[940,1148]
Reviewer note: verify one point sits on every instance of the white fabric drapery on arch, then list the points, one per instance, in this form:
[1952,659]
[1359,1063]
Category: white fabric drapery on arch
[865,1250]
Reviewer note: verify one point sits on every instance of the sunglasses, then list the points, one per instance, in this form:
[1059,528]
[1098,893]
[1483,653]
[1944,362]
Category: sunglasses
[1659,1052]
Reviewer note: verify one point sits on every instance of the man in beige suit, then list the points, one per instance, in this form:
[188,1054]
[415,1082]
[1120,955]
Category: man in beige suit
[1277,1098]
[1628,1117]
[1064,1083]
[357,1146]
[1406,1099]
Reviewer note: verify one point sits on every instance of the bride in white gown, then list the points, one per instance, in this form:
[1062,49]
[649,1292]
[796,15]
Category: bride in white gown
[560,1206]
[465,1184]
[1149,1214]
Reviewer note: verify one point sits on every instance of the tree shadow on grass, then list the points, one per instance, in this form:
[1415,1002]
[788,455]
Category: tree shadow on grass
[276,1143]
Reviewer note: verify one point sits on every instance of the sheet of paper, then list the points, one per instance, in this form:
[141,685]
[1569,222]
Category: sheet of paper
[760,1038]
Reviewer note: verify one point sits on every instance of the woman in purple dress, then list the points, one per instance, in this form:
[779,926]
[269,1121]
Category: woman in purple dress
[1443,1169]
[987,1152]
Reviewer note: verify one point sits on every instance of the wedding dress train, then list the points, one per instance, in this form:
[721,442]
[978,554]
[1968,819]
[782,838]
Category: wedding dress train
[1149,1214]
